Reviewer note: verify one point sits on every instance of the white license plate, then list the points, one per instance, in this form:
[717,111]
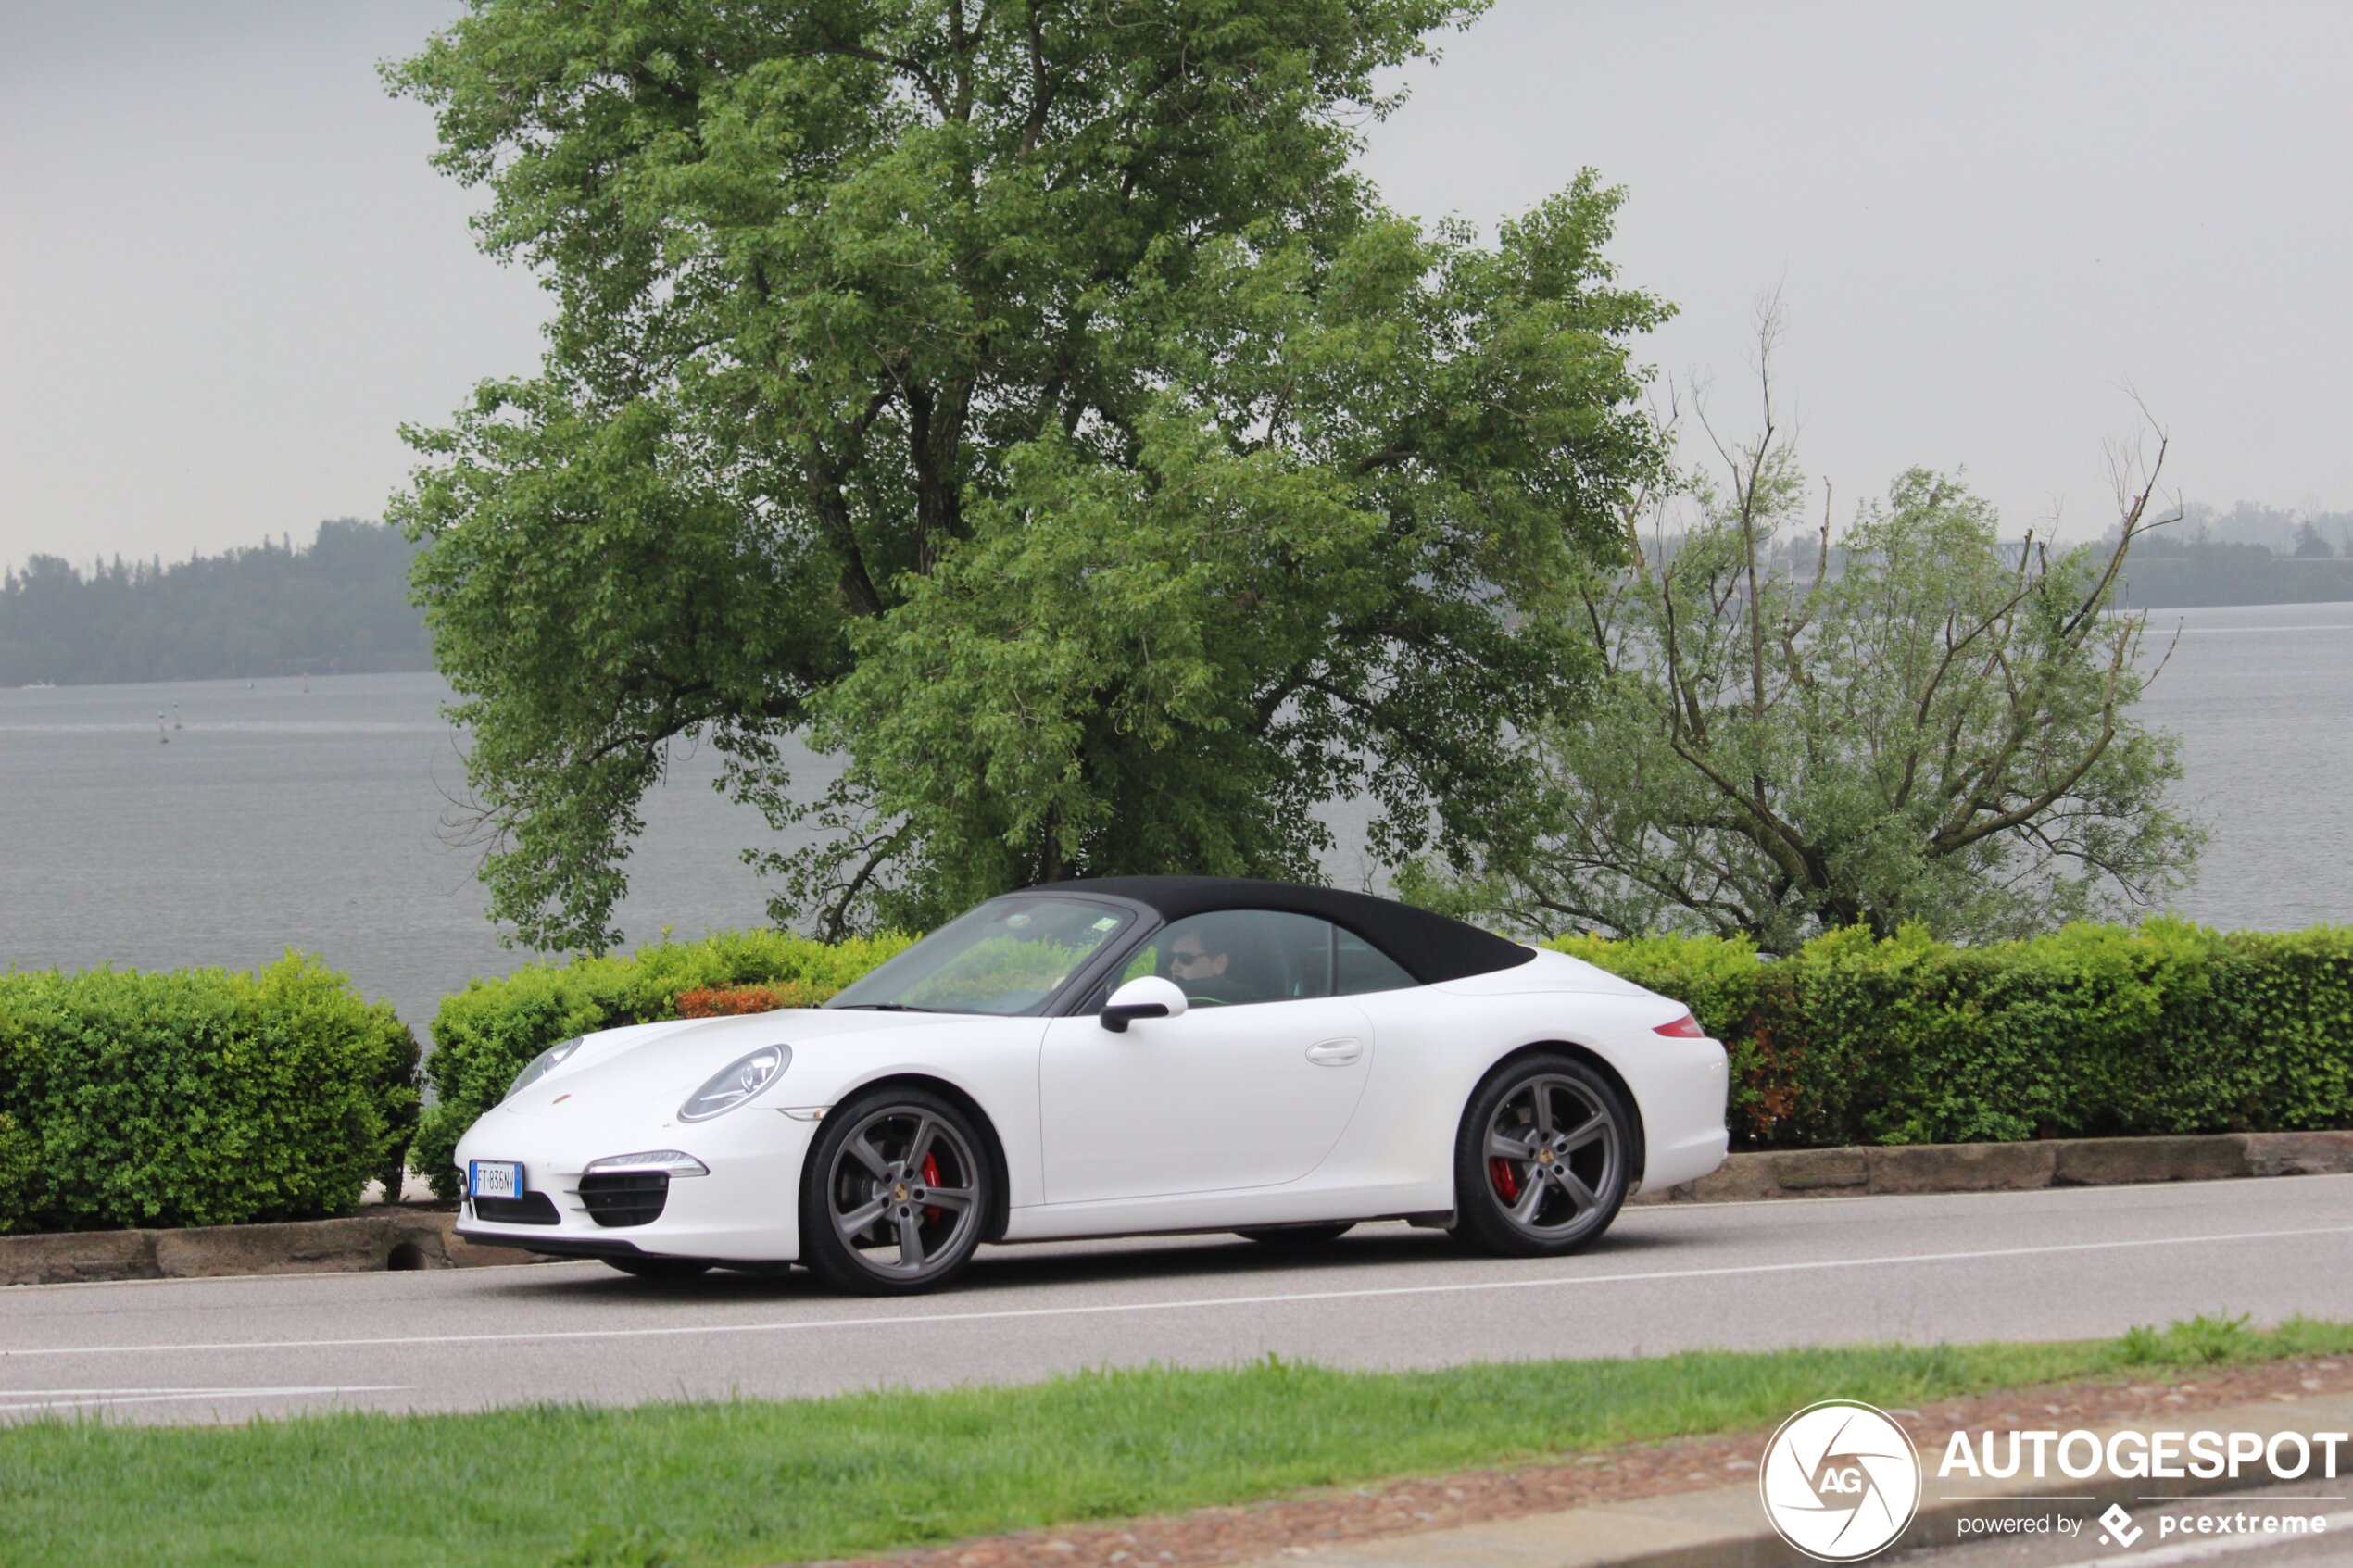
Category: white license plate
[494,1178]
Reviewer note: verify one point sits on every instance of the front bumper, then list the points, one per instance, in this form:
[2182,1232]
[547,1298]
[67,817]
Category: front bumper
[746,1210]
[554,1246]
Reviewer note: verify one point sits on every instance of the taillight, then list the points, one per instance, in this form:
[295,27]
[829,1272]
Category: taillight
[1684,1028]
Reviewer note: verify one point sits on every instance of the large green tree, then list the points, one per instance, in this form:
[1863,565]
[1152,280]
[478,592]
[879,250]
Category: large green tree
[1027,401]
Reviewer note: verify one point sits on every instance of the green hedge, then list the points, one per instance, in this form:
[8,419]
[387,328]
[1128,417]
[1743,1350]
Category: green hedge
[196,1098]
[207,1097]
[487,1033]
[2092,1031]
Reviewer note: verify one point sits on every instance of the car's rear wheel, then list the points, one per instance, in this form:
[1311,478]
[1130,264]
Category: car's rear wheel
[1542,1163]
[1299,1236]
[660,1268]
[894,1193]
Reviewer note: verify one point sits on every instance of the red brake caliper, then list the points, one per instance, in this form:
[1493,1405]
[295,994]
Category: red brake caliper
[931,1179]
[1506,1179]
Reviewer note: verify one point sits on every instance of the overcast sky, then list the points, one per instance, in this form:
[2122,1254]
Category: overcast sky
[227,274]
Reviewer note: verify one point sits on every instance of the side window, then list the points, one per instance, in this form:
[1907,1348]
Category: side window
[1364,967]
[1237,957]
[1144,961]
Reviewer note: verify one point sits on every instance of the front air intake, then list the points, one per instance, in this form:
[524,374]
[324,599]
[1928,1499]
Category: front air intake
[625,1198]
[531,1209]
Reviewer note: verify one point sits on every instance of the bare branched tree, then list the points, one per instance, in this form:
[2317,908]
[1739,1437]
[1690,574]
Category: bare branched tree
[1913,723]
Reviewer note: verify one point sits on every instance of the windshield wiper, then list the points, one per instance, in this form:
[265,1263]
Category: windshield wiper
[883,1007]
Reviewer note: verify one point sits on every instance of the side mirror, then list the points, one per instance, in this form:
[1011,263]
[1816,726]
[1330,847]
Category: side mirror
[1146,996]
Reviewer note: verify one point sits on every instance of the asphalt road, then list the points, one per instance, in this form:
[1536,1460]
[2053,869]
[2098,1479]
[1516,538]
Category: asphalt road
[2057,1265]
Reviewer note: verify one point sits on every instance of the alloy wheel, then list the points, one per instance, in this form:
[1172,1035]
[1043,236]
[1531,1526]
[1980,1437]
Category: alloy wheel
[903,1193]
[1554,1159]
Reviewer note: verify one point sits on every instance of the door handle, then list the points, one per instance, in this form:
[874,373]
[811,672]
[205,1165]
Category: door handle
[1335,1053]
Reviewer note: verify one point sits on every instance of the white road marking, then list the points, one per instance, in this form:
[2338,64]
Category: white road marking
[77,1399]
[1548,1282]
[2218,1546]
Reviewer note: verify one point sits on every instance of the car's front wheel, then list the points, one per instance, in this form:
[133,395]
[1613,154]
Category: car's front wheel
[1542,1163]
[894,1193]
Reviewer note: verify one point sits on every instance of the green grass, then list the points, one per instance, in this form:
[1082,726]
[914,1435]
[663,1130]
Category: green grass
[757,1481]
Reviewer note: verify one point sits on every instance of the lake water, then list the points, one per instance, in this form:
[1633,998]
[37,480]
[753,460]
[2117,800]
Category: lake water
[284,816]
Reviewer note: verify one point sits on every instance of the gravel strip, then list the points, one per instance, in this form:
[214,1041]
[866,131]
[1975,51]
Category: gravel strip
[1297,1525]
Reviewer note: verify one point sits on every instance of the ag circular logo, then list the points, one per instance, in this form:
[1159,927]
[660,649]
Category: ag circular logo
[1840,1480]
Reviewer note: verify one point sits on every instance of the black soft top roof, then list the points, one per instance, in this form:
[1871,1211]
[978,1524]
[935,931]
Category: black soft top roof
[1428,946]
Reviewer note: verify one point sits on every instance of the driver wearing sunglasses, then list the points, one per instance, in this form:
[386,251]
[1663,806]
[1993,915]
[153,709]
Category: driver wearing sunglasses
[1190,959]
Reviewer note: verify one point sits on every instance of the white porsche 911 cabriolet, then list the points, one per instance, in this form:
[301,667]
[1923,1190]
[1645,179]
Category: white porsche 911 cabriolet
[1111,1058]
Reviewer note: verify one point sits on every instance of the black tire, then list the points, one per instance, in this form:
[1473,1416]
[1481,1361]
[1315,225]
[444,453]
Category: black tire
[876,1185]
[1299,1236]
[1571,1140]
[660,1268]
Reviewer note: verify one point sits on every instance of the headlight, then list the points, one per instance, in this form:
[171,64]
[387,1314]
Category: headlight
[736,1083]
[541,1065]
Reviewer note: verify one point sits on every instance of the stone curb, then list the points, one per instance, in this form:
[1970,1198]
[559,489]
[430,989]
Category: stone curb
[2013,1167]
[1725,1526]
[389,1237]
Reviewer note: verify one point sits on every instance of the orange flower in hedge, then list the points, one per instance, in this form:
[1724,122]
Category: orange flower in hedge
[729,1001]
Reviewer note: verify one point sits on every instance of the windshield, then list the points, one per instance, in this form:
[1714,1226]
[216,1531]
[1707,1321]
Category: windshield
[1006,957]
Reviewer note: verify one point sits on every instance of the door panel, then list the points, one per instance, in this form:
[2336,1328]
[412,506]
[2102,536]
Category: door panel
[1222,1098]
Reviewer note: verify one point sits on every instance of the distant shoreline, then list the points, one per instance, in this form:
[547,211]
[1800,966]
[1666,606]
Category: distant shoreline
[338,605]
[2134,605]
[321,673]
